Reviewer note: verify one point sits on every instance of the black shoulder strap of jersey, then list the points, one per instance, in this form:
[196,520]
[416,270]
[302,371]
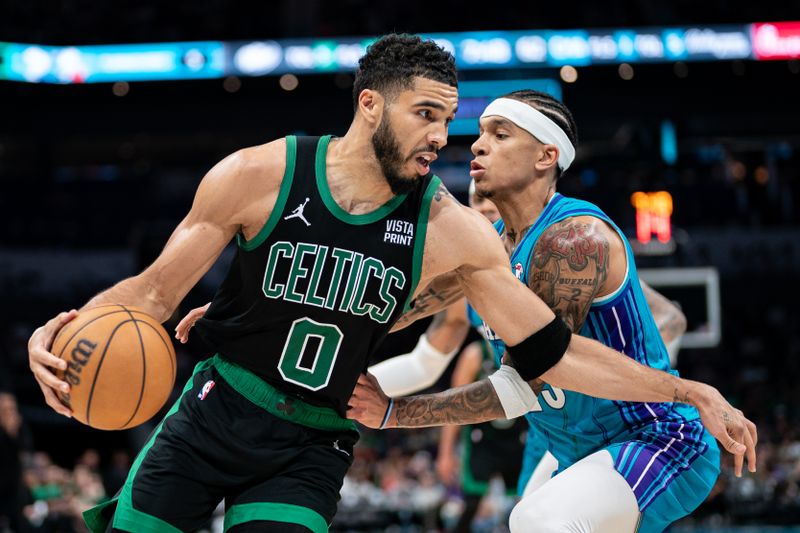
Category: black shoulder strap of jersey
[306,155]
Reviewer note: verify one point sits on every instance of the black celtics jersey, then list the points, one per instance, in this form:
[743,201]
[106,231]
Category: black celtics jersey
[310,297]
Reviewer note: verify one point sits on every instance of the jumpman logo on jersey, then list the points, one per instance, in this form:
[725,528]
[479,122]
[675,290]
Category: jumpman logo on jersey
[298,213]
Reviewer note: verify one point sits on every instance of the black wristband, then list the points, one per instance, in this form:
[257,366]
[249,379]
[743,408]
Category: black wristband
[541,351]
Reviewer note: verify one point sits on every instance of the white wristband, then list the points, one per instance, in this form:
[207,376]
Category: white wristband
[514,393]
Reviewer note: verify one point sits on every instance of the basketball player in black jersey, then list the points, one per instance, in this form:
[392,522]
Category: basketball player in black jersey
[338,242]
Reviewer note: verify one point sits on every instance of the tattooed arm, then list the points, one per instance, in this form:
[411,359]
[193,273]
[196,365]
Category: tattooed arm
[514,313]
[437,296]
[444,289]
[569,267]
[478,402]
[470,404]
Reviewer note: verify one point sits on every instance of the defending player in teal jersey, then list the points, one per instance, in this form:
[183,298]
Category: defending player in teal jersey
[412,372]
[623,466]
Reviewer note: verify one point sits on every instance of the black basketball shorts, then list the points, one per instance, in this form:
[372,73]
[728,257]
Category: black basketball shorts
[232,436]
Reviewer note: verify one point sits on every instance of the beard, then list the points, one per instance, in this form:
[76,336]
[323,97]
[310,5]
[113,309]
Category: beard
[391,160]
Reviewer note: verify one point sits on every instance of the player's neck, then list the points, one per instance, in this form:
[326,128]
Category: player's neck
[522,209]
[354,174]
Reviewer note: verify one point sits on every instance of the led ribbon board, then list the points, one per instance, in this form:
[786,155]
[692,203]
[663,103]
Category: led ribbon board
[482,50]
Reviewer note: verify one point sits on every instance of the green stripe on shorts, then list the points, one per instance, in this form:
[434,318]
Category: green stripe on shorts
[276,512]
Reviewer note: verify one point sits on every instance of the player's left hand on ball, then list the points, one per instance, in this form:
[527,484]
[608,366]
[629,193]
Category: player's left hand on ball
[731,428]
[42,361]
[368,403]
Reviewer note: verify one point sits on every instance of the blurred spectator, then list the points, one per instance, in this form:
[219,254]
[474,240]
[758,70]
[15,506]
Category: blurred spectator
[59,495]
[11,488]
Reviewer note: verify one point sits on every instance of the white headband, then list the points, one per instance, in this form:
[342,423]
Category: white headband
[537,124]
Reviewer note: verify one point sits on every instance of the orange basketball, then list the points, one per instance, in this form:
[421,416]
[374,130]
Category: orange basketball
[120,366]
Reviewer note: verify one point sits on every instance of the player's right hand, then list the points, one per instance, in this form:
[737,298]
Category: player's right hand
[369,404]
[731,428]
[183,327]
[42,361]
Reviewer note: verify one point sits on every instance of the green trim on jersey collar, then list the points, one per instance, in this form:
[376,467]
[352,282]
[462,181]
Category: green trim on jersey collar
[330,203]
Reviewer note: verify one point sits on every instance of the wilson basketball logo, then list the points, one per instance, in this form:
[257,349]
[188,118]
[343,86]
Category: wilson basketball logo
[79,356]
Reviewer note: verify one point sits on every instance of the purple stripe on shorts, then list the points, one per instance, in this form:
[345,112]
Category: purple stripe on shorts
[664,453]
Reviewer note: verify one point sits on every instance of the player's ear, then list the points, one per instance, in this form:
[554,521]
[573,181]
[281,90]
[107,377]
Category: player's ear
[548,157]
[371,106]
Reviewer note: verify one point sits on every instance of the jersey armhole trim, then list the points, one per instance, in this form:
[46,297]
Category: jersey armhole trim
[419,239]
[601,300]
[280,202]
[616,292]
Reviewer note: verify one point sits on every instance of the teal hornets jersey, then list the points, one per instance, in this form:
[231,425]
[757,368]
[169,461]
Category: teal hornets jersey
[574,425]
